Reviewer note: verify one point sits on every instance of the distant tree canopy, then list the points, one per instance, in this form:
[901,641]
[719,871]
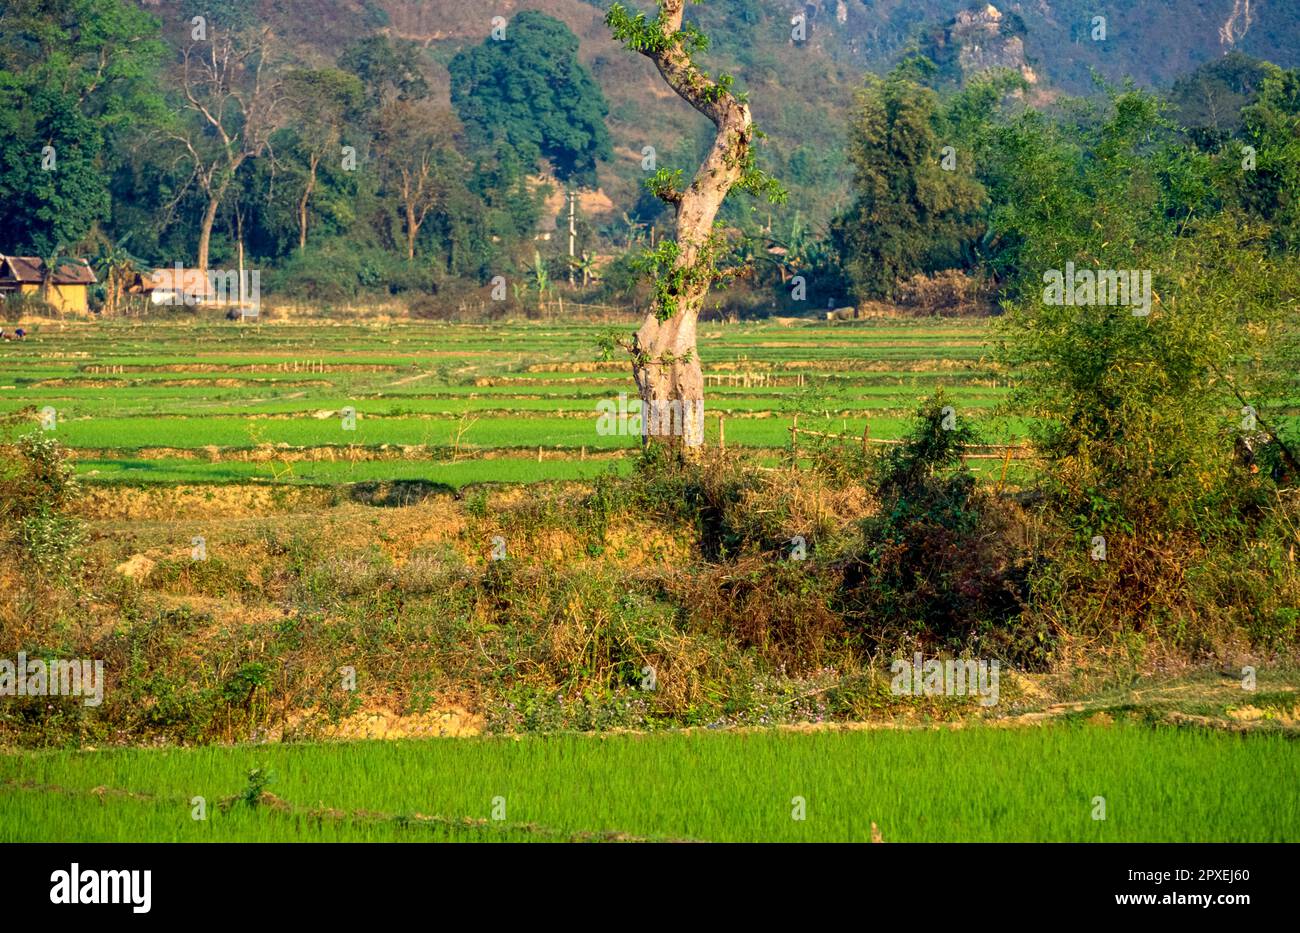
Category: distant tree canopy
[1271,126]
[1209,100]
[346,175]
[912,211]
[74,74]
[389,71]
[49,204]
[528,91]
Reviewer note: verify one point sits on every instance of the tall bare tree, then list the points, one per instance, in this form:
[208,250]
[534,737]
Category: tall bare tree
[234,99]
[665,362]
[413,146]
[321,101]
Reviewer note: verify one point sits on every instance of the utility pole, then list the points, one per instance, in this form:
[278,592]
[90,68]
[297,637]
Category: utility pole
[572,233]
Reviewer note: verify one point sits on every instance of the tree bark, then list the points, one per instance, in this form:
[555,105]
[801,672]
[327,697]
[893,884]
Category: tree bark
[215,197]
[665,360]
[205,230]
[670,381]
[412,231]
[302,204]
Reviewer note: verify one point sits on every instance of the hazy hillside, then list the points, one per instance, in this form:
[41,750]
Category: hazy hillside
[801,91]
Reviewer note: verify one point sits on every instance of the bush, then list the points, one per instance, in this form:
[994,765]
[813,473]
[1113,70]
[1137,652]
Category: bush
[339,272]
[951,293]
[37,485]
[430,308]
[782,609]
[17,306]
[939,564]
[1133,406]
[329,274]
[734,510]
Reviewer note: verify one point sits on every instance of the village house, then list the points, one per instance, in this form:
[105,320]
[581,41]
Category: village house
[68,287]
[238,290]
[177,286]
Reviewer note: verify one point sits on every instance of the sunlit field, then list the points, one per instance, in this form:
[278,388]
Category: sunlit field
[1060,783]
[457,404]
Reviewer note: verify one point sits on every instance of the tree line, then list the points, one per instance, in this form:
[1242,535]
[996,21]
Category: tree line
[144,141]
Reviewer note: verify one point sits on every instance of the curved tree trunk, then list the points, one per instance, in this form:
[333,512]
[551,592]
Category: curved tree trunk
[304,201]
[205,229]
[665,361]
[216,194]
[669,380]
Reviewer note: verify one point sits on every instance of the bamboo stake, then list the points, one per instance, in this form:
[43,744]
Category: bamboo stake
[1006,462]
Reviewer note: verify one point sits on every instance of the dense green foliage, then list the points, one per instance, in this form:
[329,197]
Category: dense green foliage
[37,486]
[919,203]
[1138,409]
[75,76]
[339,180]
[528,92]
[952,181]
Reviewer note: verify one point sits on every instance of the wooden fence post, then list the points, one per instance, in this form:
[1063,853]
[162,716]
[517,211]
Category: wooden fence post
[1006,462]
[794,440]
[722,432]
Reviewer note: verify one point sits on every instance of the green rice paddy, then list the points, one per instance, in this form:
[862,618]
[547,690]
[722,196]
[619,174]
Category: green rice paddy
[975,784]
[171,402]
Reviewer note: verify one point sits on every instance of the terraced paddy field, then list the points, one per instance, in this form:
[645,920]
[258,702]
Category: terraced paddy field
[172,402]
[1037,784]
[500,697]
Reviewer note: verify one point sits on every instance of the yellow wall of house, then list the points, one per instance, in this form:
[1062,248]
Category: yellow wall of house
[64,298]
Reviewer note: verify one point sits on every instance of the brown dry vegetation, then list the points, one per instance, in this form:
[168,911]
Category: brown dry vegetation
[690,572]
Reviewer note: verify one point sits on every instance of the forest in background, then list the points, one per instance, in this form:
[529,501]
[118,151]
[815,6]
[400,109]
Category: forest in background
[349,163]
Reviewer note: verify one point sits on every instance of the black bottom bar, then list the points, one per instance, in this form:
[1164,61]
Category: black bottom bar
[945,883]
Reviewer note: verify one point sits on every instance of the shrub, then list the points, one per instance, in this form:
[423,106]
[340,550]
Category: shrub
[1157,594]
[782,609]
[37,484]
[328,274]
[949,293]
[17,306]
[726,500]
[339,272]
[430,308]
[1134,406]
[939,563]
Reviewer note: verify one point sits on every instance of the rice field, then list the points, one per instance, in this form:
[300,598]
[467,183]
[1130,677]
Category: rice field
[175,404]
[192,402]
[975,784]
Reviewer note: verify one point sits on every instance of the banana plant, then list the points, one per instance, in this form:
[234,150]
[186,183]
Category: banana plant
[541,280]
[116,265]
[633,235]
[586,265]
